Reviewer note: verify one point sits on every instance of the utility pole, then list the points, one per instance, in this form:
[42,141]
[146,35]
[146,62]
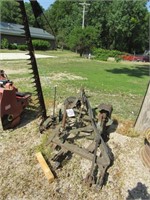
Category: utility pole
[83,15]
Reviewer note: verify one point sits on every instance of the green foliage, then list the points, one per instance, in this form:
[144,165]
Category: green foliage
[41,44]
[97,16]
[4,44]
[118,58]
[29,12]
[104,54]
[11,13]
[22,47]
[128,24]
[12,46]
[82,40]
[121,25]
[63,17]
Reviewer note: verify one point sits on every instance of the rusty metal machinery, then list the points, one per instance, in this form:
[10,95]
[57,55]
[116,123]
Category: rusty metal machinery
[80,121]
[76,118]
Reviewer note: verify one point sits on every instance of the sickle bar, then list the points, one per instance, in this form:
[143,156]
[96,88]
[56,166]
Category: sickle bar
[32,59]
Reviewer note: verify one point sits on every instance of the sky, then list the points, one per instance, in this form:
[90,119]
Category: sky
[44,3]
[148,5]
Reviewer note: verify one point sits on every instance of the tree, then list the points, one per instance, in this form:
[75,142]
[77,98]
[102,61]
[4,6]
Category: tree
[31,18]
[63,17]
[61,39]
[122,24]
[10,13]
[97,16]
[128,25]
[82,40]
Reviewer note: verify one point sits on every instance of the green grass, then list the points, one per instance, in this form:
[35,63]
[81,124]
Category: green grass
[121,84]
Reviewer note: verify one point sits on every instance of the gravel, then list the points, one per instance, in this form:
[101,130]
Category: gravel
[21,177]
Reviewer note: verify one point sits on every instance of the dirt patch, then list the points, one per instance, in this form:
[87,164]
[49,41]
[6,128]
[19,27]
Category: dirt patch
[125,127]
[65,76]
[17,71]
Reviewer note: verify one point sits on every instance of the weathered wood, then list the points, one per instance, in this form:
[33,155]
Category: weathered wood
[48,173]
[143,120]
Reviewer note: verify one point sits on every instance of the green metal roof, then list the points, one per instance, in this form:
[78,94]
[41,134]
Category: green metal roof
[16,30]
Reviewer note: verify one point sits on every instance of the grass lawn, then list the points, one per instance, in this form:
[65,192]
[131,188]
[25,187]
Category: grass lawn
[122,84]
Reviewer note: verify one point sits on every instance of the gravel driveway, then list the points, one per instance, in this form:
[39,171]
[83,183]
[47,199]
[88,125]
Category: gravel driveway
[17,56]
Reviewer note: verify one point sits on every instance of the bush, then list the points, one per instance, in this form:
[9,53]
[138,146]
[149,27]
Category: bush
[12,46]
[41,44]
[4,44]
[104,54]
[22,47]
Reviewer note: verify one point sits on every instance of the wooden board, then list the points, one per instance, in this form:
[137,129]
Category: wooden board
[48,173]
[143,120]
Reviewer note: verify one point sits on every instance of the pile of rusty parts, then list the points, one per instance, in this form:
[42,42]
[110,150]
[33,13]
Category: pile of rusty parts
[77,120]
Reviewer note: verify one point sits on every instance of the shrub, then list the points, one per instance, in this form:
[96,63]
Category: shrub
[12,46]
[41,44]
[22,47]
[4,44]
[104,54]
[118,58]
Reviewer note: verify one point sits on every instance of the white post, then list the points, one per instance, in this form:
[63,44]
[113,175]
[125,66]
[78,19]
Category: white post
[83,13]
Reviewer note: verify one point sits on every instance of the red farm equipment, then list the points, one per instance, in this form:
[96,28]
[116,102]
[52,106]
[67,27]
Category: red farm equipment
[12,102]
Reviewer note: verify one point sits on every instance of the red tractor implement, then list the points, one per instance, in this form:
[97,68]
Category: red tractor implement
[12,102]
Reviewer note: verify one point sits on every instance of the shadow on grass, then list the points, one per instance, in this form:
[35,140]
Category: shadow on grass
[28,116]
[137,71]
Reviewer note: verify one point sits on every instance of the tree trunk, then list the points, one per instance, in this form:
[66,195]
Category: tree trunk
[143,120]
